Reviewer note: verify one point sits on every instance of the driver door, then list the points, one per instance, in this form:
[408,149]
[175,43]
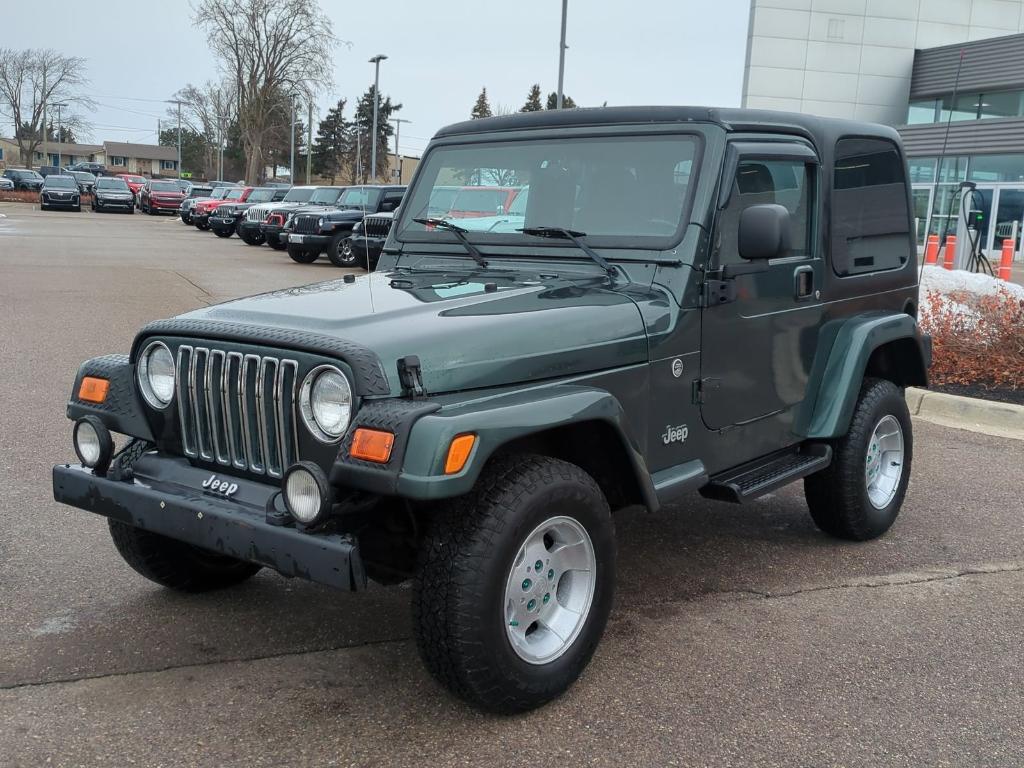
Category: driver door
[757,346]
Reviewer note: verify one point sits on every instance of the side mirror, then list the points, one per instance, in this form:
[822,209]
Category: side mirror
[764,232]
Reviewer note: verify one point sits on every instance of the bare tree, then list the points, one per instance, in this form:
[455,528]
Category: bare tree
[269,48]
[208,110]
[34,77]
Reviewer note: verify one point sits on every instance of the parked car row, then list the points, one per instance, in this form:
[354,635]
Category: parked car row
[348,224]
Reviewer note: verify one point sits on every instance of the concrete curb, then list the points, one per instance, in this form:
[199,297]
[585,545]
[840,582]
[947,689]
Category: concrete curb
[986,416]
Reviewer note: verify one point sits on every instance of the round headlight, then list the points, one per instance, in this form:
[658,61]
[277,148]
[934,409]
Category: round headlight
[93,443]
[326,403]
[320,223]
[156,375]
[307,494]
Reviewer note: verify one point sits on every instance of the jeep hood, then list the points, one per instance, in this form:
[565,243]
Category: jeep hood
[469,331]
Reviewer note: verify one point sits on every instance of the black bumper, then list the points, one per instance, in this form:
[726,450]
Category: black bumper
[167,497]
[114,203]
[272,233]
[309,242]
[219,224]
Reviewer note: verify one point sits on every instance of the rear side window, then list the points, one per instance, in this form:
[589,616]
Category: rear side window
[870,218]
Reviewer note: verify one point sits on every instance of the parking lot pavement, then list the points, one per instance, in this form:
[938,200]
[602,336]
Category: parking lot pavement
[740,636]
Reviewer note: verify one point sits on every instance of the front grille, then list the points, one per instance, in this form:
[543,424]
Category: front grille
[257,213]
[305,225]
[377,226]
[238,410]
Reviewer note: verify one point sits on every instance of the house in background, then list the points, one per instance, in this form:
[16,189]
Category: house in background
[57,153]
[143,159]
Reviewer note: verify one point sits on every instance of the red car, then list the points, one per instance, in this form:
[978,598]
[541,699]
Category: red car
[135,183]
[160,195]
[201,211]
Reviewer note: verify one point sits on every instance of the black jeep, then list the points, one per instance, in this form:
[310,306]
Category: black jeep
[311,233]
[367,239]
[692,300]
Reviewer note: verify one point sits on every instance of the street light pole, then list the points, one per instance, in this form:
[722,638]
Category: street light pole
[291,171]
[309,143]
[376,60]
[59,105]
[398,158]
[561,54]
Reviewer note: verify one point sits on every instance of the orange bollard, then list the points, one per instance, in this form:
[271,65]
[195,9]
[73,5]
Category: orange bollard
[931,249]
[1006,262]
[950,258]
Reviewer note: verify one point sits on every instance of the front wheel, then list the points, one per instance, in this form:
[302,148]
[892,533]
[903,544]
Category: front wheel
[277,244]
[175,564]
[340,251]
[222,233]
[302,256]
[515,584]
[859,495]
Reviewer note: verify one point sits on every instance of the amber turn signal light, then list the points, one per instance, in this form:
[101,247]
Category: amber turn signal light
[458,453]
[93,390]
[372,445]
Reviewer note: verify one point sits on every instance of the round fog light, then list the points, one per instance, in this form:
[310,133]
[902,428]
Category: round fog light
[307,494]
[93,444]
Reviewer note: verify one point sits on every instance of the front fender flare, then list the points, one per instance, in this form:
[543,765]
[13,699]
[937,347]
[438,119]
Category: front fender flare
[500,419]
[844,349]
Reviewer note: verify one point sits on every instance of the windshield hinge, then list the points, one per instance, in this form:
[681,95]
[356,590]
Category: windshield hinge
[410,375]
[718,292]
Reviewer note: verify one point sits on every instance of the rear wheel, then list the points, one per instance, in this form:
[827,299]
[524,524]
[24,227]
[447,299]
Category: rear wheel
[302,255]
[515,584]
[859,495]
[340,251]
[175,564]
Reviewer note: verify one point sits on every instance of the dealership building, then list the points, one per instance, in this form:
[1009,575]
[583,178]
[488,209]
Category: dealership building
[948,74]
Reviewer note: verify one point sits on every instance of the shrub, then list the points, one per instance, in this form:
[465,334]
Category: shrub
[18,196]
[976,339]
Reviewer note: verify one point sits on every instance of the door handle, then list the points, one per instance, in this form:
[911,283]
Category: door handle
[803,282]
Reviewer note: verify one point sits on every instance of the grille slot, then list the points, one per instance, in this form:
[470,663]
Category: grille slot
[377,226]
[237,410]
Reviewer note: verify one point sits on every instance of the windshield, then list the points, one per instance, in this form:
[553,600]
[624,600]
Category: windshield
[479,200]
[441,199]
[83,176]
[359,197]
[164,186]
[233,194]
[115,184]
[219,192]
[297,195]
[135,179]
[325,196]
[620,189]
[28,175]
[62,182]
[261,196]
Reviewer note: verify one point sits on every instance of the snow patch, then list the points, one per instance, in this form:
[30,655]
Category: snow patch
[946,281]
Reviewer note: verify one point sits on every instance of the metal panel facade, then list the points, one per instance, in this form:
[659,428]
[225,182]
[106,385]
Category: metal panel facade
[996,64]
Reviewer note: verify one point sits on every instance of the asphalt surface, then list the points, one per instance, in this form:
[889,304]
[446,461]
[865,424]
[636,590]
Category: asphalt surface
[740,636]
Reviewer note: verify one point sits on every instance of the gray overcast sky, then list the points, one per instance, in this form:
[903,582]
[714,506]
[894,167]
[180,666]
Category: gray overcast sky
[440,54]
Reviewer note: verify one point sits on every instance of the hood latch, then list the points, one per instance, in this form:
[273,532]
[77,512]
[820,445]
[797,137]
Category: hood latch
[410,375]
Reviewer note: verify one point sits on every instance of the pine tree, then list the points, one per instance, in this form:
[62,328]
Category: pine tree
[333,146]
[533,100]
[482,108]
[567,102]
[363,126]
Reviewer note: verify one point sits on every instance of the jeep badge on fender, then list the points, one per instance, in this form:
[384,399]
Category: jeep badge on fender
[471,415]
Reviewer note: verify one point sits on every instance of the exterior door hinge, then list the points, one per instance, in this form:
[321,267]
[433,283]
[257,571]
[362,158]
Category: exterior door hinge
[718,292]
[701,387]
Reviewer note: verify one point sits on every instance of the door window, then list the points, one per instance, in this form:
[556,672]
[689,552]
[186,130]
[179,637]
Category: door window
[789,183]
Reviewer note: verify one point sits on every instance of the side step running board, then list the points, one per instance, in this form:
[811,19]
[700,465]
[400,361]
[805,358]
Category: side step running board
[756,478]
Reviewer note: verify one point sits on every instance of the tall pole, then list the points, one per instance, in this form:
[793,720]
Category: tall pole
[46,160]
[376,60]
[309,144]
[291,172]
[179,140]
[561,54]
[398,158]
[359,155]
[58,105]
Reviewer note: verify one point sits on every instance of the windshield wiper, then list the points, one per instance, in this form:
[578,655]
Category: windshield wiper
[574,236]
[459,233]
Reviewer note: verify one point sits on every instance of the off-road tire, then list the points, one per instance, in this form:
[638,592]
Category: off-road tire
[220,233]
[837,495]
[302,255]
[340,251]
[277,245]
[464,562]
[175,564]
[252,240]
[202,227]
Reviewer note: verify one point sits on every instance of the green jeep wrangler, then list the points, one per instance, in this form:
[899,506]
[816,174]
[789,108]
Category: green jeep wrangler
[685,300]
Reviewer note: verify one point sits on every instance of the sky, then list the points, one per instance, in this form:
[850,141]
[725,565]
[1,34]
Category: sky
[440,54]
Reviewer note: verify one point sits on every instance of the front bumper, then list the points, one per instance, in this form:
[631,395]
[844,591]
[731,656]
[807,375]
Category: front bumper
[67,202]
[166,497]
[319,242]
[200,218]
[223,224]
[164,205]
[114,202]
[272,233]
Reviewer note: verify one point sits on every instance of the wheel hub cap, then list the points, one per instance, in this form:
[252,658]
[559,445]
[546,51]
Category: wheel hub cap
[883,466]
[549,590]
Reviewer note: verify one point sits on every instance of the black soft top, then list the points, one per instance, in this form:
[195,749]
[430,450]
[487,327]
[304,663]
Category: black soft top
[822,130]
